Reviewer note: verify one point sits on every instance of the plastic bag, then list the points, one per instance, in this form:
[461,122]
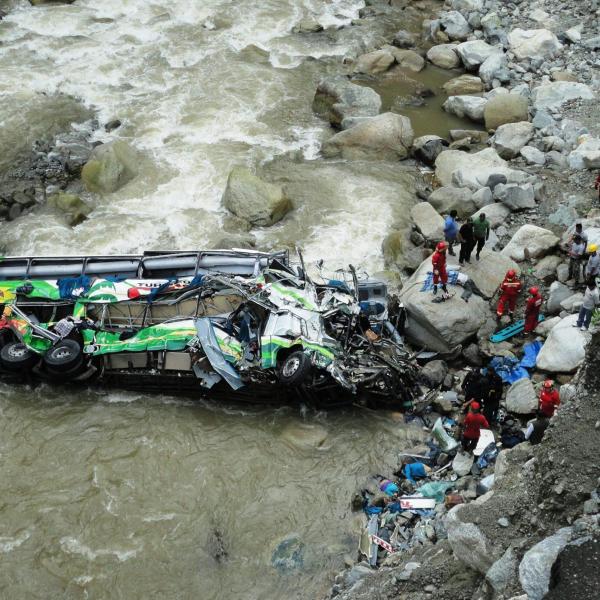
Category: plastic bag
[440,435]
[435,489]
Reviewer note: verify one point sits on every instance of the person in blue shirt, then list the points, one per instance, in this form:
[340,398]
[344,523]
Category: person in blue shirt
[451,231]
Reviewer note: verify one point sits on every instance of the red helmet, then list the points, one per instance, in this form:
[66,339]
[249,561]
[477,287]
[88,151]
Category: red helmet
[548,383]
[511,274]
[440,246]
[475,405]
[534,291]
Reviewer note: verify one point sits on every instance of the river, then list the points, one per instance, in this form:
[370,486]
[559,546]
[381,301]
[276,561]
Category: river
[114,495]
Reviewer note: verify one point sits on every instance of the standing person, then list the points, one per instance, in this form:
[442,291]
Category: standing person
[481,230]
[532,309]
[549,398]
[467,241]
[537,428]
[576,252]
[475,386]
[473,424]
[510,288]
[591,299]
[491,404]
[580,232]
[592,268]
[597,186]
[438,261]
[451,231]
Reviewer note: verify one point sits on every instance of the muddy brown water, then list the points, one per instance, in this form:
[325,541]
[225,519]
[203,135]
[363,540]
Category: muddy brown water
[117,495]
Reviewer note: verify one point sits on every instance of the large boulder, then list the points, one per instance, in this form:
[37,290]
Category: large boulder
[428,147]
[505,108]
[564,349]
[511,137]
[530,239]
[521,397]
[558,292]
[471,107]
[42,2]
[110,167]
[553,95]
[439,326]
[444,56]
[337,98]
[495,213]
[454,25]
[533,43]
[502,572]
[586,155]
[427,221]
[385,137]
[445,199]
[493,67]
[73,207]
[259,202]
[374,62]
[535,569]
[474,53]
[515,196]
[407,59]
[469,544]
[465,84]
[488,272]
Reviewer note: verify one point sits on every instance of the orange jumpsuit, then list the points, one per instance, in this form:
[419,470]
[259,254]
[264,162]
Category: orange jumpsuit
[532,311]
[438,260]
[510,289]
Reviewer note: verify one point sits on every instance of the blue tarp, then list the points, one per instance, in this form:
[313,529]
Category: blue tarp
[530,352]
[428,283]
[512,369]
[68,285]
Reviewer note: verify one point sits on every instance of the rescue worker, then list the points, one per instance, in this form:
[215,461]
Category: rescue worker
[491,403]
[576,251]
[549,398]
[592,267]
[510,288]
[467,241]
[451,231]
[438,261]
[532,309]
[473,424]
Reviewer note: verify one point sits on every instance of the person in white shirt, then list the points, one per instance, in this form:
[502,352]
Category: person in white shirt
[591,299]
[576,253]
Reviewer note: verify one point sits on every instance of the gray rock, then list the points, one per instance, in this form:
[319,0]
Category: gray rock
[572,303]
[495,213]
[564,349]
[546,267]
[337,98]
[474,53]
[549,96]
[472,355]
[454,25]
[521,397]
[444,56]
[110,167]
[259,202]
[488,272]
[514,196]
[482,197]
[533,156]
[427,221]
[592,43]
[464,84]
[536,565]
[445,199]
[308,26]
[502,572]
[407,59]
[428,147]
[542,120]
[374,62]
[558,293]
[532,239]
[434,372]
[385,137]
[533,44]
[494,67]
[505,108]
[462,463]
[586,154]
[466,106]
[511,137]
[405,39]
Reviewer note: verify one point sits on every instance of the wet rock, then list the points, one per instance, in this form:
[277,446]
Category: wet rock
[112,125]
[434,372]
[521,398]
[471,107]
[110,167]
[474,136]
[308,25]
[427,221]
[235,240]
[511,137]
[71,205]
[444,56]
[439,326]
[41,2]
[468,542]
[407,59]
[445,199]
[259,202]
[587,153]
[533,43]
[533,156]
[564,349]
[536,565]
[502,572]
[553,95]
[388,136]
[288,554]
[474,53]
[465,84]
[532,239]
[505,108]
[428,147]
[516,197]
[305,435]
[454,25]
[337,98]
[374,62]
[405,39]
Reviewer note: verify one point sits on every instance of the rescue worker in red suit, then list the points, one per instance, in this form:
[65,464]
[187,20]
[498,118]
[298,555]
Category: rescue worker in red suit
[438,261]
[549,398]
[532,309]
[473,424]
[510,288]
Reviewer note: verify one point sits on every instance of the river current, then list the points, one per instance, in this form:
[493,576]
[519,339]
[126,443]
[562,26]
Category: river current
[117,495]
